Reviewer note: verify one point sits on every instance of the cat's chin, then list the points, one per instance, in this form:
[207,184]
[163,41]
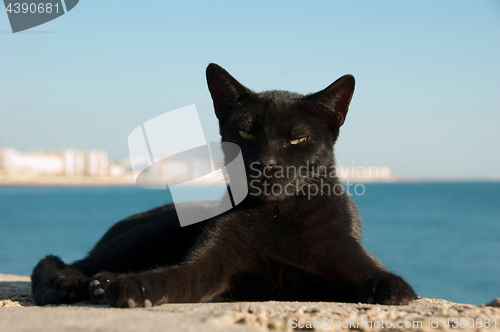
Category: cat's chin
[266,191]
[274,198]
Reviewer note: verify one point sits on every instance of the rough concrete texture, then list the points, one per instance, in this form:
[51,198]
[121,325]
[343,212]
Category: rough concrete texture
[17,313]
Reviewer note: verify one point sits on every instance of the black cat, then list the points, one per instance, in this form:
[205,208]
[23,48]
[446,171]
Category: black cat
[300,243]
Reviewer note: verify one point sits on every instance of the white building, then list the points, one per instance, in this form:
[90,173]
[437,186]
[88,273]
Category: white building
[67,162]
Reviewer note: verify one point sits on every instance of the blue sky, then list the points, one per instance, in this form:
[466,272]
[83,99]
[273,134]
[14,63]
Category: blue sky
[427,100]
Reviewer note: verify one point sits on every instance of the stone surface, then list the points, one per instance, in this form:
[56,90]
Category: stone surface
[17,313]
[495,302]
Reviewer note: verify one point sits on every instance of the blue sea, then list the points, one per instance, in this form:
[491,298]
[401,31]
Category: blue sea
[444,238]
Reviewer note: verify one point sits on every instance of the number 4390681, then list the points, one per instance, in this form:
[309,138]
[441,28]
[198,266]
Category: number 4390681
[33,8]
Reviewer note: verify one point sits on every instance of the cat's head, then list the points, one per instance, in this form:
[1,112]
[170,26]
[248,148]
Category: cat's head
[286,138]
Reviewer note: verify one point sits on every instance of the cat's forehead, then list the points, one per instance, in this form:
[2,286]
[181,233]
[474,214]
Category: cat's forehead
[280,110]
[279,95]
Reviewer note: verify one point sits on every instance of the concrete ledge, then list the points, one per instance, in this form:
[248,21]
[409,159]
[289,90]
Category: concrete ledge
[17,313]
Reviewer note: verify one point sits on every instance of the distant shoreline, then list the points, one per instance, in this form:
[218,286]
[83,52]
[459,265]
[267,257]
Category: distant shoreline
[67,182]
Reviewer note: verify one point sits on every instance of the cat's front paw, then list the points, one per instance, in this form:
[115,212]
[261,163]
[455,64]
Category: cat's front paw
[54,282]
[98,285]
[136,290]
[385,288]
[71,288]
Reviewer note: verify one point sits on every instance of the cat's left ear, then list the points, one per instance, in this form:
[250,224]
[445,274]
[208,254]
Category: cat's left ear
[333,102]
[224,89]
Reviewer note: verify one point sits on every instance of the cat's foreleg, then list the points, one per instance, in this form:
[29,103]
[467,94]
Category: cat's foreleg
[205,275]
[374,283]
[346,259]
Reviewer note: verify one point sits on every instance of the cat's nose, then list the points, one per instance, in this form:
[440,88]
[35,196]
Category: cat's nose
[268,162]
[268,165]
[269,168]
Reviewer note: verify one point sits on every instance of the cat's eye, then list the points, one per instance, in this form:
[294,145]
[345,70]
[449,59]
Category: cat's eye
[298,140]
[246,135]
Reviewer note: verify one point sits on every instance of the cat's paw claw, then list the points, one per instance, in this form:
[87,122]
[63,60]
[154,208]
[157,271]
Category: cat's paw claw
[131,291]
[131,303]
[99,292]
[385,288]
[94,283]
[98,285]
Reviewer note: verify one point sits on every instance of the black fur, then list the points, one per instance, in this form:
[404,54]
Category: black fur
[299,244]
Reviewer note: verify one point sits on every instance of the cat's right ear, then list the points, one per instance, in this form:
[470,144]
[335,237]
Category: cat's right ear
[224,88]
[333,102]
